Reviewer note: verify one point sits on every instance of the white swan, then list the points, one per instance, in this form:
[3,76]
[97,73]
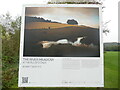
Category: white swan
[47,44]
[63,41]
[77,43]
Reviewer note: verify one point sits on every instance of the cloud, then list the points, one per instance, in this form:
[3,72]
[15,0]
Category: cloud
[38,11]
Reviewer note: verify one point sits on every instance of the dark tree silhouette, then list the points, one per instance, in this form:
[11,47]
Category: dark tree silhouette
[72,21]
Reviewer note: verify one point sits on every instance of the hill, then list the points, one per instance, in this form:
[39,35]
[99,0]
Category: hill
[39,29]
[37,19]
[41,23]
[47,25]
[33,36]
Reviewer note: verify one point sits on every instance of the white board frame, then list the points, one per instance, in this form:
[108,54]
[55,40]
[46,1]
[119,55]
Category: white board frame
[101,44]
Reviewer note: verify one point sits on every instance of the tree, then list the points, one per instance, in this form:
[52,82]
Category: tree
[10,29]
[10,24]
[72,21]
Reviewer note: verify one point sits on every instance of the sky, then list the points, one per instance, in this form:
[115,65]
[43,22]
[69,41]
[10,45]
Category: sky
[84,16]
[14,7]
[111,14]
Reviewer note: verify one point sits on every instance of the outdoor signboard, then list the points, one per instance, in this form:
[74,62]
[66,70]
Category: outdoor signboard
[61,46]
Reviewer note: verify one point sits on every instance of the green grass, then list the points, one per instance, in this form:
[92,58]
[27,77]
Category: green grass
[111,69]
[10,75]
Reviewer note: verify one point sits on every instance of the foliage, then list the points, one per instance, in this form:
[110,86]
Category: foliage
[72,21]
[112,48]
[10,35]
[10,77]
[10,30]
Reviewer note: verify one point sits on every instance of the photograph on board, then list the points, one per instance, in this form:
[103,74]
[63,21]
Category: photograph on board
[61,32]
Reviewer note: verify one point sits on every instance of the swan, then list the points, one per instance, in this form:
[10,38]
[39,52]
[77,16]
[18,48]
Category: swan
[47,44]
[77,43]
[62,41]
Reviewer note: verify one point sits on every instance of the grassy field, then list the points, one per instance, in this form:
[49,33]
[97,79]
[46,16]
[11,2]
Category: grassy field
[111,69]
[41,25]
[35,36]
[111,72]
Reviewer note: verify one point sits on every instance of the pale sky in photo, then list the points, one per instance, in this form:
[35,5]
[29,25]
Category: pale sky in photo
[14,7]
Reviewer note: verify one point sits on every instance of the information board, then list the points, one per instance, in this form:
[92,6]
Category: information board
[61,46]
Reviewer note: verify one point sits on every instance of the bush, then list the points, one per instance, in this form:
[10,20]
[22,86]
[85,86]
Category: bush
[10,50]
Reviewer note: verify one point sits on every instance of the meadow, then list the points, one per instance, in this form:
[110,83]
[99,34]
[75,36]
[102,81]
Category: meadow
[35,34]
[111,69]
[10,72]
